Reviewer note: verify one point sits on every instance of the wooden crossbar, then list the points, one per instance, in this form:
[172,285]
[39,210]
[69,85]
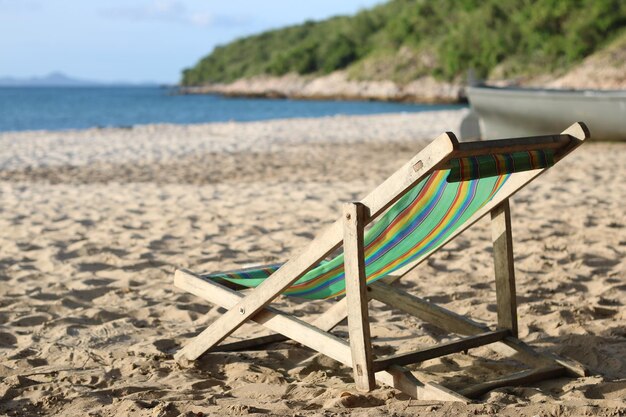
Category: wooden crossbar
[441,349]
[499,146]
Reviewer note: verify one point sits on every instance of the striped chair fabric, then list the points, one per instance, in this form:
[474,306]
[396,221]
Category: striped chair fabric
[415,226]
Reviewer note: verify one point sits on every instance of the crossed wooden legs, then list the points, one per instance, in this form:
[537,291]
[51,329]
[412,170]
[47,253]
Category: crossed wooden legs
[389,370]
[311,336]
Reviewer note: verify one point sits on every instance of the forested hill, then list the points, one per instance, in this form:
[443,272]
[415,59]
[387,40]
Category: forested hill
[405,39]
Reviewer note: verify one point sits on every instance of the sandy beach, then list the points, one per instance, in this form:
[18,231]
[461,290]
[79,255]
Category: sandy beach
[94,222]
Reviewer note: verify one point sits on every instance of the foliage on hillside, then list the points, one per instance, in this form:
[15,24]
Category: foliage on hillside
[403,39]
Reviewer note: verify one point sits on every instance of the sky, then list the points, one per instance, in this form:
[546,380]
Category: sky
[138,40]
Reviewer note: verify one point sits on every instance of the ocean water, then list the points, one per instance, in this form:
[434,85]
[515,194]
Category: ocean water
[60,108]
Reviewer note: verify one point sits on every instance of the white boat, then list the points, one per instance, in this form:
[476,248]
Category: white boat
[510,112]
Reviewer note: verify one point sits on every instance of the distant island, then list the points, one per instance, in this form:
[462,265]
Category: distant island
[411,50]
[59,79]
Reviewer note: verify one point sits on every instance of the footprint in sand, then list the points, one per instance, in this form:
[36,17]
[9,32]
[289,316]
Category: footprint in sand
[98,281]
[7,340]
[165,345]
[29,321]
[596,261]
[94,267]
[144,265]
[91,294]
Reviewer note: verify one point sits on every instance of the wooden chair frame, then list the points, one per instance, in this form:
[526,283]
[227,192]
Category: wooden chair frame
[349,230]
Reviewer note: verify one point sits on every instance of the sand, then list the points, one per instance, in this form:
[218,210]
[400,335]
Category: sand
[93,223]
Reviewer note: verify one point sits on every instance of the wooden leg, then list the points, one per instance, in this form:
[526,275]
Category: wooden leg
[356,295]
[503,261]
[447,348]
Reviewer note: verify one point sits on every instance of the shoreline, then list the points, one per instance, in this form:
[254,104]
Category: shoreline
[95,129]
[460,108]
[336,86]
[225,91]
[164,142]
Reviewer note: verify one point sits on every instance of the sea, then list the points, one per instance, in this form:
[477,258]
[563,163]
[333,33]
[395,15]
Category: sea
[62,108]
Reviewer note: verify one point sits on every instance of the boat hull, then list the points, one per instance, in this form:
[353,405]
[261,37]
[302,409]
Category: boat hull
[510,112]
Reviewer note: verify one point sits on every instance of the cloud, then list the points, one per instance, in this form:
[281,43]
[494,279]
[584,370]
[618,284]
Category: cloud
[175,11]
[201,18]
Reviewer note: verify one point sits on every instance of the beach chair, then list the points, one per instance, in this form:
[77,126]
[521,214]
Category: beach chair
[433,198]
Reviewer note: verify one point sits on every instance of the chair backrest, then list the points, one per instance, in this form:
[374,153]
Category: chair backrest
[419,223]
[423,219]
